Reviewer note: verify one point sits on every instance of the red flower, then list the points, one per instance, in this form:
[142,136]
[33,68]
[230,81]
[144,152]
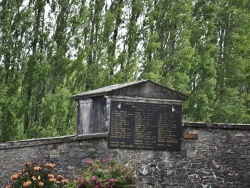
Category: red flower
[90,162]
[113,180]
[92,179]
[128,176]
[107,159]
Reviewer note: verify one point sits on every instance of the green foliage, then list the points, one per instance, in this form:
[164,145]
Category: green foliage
[232,28]
[107,173]
[202,73]
[230,108]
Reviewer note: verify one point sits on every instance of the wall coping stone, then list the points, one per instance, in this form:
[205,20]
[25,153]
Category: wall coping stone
[51,140]
[211,125]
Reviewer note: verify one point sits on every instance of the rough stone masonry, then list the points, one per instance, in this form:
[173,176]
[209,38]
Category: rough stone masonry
[212,155]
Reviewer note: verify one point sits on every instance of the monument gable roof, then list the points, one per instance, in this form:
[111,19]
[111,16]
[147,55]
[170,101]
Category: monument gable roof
[144,88]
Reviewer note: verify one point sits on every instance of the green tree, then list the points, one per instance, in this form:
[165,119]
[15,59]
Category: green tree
[200,107]
[12,60]
[176,51]
[233,59]
[150,60]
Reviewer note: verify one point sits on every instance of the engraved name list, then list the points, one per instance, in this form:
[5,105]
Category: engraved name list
[145,126]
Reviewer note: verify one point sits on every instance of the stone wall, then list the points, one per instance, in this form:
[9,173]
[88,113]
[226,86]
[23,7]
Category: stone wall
[211,154]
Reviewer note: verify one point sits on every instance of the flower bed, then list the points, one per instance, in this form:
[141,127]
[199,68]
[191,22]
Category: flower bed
[98,174]
[34,175]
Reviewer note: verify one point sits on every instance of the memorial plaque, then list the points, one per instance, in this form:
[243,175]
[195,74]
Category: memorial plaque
[145,125]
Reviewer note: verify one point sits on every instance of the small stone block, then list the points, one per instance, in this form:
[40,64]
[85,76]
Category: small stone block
[190,136]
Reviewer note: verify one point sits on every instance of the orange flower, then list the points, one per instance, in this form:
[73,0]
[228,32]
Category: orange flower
[37,168]
[8,186]
[39,177]
[15,176]
[34,178]
[52,180]
[27,183]
[41,184]
[50,165]
[65,181]
[60,176]
[51,176]
[58,182]
[27,163]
